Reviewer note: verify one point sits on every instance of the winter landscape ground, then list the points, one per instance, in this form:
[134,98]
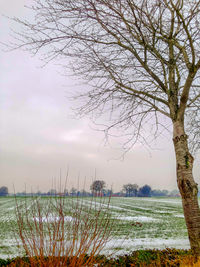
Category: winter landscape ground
[143,223]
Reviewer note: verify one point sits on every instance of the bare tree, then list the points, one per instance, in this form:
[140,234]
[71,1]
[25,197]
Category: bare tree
[142,59]
[130,189]
[97,186]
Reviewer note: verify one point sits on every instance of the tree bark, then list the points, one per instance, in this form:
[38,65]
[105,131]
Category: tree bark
[187,186]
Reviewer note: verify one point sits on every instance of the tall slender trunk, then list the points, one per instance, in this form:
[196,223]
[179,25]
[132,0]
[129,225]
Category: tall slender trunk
[187,186]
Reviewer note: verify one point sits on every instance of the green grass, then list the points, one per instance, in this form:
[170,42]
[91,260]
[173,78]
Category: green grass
[156,217]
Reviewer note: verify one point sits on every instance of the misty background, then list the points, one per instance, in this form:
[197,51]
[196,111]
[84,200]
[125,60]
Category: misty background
[40,136]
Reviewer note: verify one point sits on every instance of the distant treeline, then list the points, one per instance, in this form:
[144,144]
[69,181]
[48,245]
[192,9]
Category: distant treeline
[98,188]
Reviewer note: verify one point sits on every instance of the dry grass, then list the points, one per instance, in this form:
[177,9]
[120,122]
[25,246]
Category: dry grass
[183,261]
[172,261]
[59,231]
[190,261]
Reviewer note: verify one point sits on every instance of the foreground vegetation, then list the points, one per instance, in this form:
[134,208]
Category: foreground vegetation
[60,231]
[156,258]
[139,223]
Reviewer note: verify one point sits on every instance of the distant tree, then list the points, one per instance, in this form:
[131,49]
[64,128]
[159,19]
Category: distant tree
[159,193]
[73,191]
[145,191]
[84,193]
[126,189]
[38,193]
[156,193]
[78,193]
[107,192]
[174,193]
[165,192]
[130,189]
[3,191]
[52,192]
[97,186]
[23,193]
[66,193]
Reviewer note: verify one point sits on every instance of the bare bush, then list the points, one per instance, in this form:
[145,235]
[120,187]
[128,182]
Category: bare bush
[60,231]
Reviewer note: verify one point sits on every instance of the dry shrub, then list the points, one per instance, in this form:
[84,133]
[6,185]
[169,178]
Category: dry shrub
[190,261]
[170,260]
[181,261]
[63,231]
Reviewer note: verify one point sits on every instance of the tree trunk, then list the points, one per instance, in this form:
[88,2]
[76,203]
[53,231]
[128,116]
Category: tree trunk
[187,186]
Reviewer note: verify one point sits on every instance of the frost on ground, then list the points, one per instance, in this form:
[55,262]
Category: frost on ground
[52,218]
[9,249]
[160,224]
[179,215]
[138,218]
[123,246]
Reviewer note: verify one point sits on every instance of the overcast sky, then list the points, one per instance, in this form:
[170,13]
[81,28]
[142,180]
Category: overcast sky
[39,136]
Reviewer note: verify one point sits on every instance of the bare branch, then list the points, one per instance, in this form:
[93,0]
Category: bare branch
[143,53]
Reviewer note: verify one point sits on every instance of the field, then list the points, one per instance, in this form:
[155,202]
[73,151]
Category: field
[142,223]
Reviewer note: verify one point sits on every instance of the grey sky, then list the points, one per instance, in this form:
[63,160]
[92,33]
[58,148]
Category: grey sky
[38,136]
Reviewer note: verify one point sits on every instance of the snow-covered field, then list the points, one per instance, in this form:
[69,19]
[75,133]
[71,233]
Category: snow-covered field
[142,223]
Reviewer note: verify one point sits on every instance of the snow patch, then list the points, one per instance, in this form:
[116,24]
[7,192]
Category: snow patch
[54,219]
[179,215]
[170,201]
[127,245]
[138,218]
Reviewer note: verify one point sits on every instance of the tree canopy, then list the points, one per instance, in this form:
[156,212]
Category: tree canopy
[97,186]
